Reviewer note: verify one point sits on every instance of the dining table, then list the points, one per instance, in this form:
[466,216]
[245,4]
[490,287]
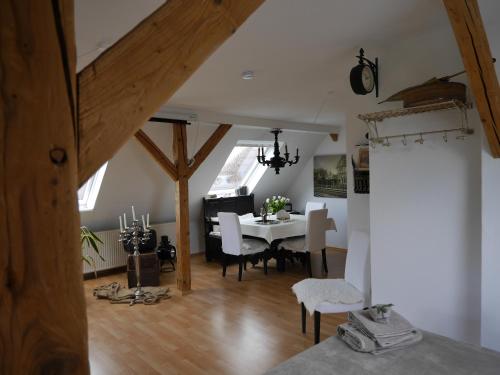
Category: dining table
[274,231]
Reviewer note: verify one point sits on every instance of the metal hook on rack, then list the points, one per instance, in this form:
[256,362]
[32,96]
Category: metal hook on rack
[461,137]
[386,143]
[420,140]
[404,141]
[445,137]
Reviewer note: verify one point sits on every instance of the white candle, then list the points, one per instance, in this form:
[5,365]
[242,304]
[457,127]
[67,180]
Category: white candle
[121,225]
[125,220]
[133,214]
[147,220]
[143,223]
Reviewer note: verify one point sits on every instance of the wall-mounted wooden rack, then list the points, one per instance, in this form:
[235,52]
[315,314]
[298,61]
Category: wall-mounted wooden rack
[371,120]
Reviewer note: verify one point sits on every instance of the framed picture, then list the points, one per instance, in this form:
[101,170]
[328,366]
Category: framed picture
[364,158]
[330,176]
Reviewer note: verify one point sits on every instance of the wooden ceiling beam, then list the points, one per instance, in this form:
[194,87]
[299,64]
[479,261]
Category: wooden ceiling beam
[157,154]
[208,146]
[472,40]
[128,83]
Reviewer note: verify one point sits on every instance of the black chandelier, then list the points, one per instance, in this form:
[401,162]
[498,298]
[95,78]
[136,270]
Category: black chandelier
[277,161]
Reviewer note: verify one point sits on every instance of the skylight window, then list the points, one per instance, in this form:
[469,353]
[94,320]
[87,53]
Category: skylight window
[87,194]
[241,168]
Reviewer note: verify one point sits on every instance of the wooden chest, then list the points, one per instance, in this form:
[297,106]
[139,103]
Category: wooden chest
[150,270]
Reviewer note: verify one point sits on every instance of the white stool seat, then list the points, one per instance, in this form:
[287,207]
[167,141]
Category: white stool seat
[297,244]
[214,234]
[253,246]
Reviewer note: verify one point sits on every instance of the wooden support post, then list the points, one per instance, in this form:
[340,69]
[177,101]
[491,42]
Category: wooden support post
[182,208]
[472,40]
[43,323]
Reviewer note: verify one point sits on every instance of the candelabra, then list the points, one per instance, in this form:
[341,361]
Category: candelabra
[135,235]
[277,161]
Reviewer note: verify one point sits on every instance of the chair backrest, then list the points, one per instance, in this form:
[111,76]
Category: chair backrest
[315,230]
[230,231]
[357,267]
[314,206]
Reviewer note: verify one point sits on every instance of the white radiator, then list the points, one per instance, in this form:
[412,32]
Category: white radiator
[114,255]
[111,250]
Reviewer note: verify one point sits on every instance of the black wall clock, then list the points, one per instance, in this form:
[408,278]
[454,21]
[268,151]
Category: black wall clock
[364,76]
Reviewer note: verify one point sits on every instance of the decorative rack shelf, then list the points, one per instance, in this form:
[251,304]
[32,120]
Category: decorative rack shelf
[371,119]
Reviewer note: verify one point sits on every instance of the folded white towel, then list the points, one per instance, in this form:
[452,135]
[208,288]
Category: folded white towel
[312,292]
[361,343]
[394,331]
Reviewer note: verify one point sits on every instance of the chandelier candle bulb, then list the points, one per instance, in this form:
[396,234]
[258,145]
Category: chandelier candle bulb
[147,220]
[133,214]
[121,225]
[143,223]
[286,148]
[125,220]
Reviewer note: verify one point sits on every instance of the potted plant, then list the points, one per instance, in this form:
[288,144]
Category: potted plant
[276,203]
[381,312]
[89,239]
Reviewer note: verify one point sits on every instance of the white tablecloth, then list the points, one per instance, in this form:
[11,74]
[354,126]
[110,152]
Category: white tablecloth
[296,226]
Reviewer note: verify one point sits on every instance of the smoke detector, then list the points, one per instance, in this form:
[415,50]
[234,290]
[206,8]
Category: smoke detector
[248,74]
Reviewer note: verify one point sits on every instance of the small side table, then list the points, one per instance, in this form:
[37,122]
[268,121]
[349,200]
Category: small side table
[150,270]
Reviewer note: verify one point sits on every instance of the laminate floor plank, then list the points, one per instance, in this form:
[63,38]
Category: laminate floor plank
[222,327]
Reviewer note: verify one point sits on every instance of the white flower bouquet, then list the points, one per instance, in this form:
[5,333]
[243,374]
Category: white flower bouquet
[276,203]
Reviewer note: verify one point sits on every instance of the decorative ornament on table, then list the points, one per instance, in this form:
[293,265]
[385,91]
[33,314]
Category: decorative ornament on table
[380,313]
[276,203]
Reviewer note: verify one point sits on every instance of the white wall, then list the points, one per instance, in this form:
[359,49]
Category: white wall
[302,191]
[133,177]
[425,202]
[425,228]
[490,314]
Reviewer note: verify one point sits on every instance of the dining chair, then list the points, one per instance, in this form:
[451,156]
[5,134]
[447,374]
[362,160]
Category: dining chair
[234,244]
[313,241]
[357,274]
[314,206]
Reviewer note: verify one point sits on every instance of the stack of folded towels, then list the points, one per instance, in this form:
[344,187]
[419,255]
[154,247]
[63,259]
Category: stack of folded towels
[363,334]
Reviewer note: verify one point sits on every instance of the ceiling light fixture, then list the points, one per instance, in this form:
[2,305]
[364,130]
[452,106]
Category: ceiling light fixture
[277,161]
[248,74]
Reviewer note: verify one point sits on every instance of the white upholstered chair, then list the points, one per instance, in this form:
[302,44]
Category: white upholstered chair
[314,206]
[313,241]
[234,244]
[357,273]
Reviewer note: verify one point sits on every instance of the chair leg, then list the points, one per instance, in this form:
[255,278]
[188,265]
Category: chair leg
[245,264]
[264,259]
[224,265]
[308,264]
[303,309]
[240,267]
[325,265]
[317,323]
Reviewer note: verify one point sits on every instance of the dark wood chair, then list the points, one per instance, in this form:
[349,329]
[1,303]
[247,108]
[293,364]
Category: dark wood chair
[240,205]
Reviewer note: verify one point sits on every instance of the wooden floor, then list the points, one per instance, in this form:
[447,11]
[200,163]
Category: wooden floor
[222,327]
